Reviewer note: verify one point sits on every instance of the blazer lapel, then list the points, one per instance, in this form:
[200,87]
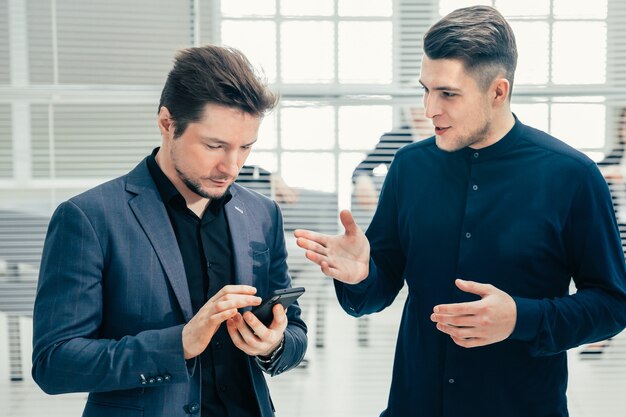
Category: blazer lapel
[239,223]
[152,216]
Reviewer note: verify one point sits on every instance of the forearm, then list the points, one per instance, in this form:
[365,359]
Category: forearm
[371,295]
[555,325]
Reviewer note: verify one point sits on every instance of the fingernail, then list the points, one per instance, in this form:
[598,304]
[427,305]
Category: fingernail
[436,309]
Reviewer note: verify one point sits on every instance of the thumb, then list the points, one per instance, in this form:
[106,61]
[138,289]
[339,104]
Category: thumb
[348,222]
[473,287]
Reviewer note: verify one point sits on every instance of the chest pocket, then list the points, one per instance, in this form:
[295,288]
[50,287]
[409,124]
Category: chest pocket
[260,263]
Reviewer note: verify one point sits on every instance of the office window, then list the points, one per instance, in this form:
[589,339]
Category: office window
[311,48]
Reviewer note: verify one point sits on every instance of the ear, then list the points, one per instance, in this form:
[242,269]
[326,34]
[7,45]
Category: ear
[165,123]
[501,89]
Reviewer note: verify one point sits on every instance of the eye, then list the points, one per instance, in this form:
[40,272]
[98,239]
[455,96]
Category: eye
[214,146]
[447,94]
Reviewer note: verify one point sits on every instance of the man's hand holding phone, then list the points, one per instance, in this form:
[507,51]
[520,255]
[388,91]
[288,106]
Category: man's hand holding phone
[259,332]
[197,334]
[250,335]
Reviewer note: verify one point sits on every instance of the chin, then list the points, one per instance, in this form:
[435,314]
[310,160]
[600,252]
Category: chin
[215,194]
[446,145]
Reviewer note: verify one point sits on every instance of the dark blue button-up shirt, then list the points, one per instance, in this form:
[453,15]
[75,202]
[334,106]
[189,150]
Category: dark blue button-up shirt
[527,215]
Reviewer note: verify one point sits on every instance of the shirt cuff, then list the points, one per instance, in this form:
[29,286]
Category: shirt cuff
[528,319]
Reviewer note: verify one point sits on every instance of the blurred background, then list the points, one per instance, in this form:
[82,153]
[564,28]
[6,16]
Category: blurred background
[79,89]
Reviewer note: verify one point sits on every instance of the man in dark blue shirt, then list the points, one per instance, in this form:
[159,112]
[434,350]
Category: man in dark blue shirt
[487,222]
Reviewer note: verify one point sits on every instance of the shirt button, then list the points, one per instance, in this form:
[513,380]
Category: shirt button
[476,154]
[468,235]
[474,187]
[208,265]
[451,380]
[218,345]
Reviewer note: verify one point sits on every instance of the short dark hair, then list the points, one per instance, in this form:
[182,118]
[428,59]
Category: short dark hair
[478,36]
[217,75]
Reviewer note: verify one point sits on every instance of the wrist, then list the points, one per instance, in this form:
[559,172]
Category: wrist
[271,356]
[187,343]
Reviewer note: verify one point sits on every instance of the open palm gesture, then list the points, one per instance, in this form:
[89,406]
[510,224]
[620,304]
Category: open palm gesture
[343,257]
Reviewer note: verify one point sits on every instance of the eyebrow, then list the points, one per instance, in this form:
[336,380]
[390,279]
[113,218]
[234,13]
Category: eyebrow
[223,142]
[441,88]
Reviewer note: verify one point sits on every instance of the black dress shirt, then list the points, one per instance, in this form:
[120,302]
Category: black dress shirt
[205,246]
[526,214]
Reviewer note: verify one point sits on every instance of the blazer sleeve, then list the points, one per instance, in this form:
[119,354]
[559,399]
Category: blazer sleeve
[295,343]
[68,354]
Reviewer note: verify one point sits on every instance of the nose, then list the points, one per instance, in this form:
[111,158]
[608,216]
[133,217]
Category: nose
[431,106]
[230,164]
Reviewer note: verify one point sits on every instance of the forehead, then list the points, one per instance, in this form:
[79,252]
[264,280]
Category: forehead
[439,73]
[215,113]
[226,124]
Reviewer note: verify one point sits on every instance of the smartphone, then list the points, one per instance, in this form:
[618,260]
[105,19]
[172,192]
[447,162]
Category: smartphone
[285,297]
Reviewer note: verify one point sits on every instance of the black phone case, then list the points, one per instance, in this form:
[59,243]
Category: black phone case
[286,297]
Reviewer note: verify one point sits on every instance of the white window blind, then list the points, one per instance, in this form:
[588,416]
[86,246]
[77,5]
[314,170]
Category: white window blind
[105,42]
[4,43]
[84,140]
[6,144]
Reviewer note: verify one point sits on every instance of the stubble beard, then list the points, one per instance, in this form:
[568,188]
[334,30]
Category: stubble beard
[465,141]
[196,187]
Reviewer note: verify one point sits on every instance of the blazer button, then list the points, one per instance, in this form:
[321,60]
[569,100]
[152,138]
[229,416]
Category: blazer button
[151,380]
[192,408]
[159,379]
[167,377]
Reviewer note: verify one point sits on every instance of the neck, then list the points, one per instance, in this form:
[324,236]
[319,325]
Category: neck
[500,126]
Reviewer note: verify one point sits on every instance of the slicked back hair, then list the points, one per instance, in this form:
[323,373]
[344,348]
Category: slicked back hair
[478,36]
[216,75]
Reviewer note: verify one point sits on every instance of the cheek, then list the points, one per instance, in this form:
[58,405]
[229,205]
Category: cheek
[241,159]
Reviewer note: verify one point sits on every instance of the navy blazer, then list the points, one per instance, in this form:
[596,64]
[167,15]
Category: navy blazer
[112,299]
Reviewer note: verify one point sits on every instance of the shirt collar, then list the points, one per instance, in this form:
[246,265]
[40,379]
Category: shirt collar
[498,148]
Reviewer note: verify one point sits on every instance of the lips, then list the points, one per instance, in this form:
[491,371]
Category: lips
[220,183]
[441,130]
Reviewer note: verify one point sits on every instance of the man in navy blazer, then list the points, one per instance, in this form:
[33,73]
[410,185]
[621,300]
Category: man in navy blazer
[146,280]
